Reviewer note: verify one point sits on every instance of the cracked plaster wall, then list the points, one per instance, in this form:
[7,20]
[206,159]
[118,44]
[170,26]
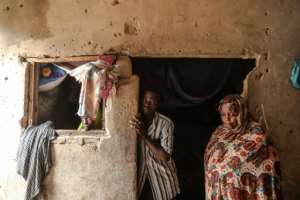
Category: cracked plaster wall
[266,30]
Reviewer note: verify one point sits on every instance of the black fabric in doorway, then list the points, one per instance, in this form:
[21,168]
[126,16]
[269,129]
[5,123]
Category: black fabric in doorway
[190,90]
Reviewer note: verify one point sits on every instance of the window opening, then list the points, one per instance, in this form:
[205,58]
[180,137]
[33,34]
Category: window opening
[54,92]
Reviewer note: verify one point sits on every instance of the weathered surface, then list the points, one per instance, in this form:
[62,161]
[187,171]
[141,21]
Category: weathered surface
[12,78]
[267,30]
[99,166]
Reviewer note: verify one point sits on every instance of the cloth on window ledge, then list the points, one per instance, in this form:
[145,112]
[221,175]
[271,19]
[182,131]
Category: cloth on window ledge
[295,74]
[98,79]
[34,157]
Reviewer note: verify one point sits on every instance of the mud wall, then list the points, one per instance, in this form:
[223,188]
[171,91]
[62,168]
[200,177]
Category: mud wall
[266,30]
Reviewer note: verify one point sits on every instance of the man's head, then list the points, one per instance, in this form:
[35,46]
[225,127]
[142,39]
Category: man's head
[150,102]
[88,123]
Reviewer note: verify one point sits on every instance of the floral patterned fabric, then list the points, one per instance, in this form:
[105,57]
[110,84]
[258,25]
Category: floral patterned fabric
[239,163]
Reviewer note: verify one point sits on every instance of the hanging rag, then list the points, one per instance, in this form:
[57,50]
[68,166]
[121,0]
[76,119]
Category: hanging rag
[34,158]
[98,81]
[295,74]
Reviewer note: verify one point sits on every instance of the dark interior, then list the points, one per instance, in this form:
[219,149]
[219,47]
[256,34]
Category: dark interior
[190,89]
[60,105]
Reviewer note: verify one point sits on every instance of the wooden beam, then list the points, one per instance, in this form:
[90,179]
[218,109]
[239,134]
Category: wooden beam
[36,93]
[24,120]
[65,59]
[30,94]
[33,94]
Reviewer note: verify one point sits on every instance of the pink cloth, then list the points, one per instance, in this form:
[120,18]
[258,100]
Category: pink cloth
[97,79]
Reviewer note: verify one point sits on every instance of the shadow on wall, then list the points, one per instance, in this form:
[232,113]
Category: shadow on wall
[190,90]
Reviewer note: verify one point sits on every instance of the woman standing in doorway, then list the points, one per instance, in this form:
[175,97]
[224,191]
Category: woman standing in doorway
[239,163]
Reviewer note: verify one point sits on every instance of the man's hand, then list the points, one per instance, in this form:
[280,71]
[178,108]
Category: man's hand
[137,124]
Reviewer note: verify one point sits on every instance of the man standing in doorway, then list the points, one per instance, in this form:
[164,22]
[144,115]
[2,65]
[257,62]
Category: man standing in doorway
[157,169]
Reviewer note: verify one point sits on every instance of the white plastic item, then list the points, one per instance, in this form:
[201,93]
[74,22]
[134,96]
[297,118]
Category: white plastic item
[51,85]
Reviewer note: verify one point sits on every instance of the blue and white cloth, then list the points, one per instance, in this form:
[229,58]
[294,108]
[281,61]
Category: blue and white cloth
[295,74]
[33,156]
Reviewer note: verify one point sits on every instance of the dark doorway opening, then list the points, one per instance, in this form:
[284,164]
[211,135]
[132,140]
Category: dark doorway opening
[191,89]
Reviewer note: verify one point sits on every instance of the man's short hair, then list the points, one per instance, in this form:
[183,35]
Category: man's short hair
[154,91]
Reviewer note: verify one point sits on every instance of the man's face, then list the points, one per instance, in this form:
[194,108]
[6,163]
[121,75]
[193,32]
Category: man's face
[150,102]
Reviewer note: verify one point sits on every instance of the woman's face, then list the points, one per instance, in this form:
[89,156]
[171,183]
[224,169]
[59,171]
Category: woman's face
[228,116]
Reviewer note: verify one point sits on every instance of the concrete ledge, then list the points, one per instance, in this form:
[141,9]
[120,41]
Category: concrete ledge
[79,137]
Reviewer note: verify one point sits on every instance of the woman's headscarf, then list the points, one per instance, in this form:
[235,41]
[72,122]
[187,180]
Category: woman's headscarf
[239,108]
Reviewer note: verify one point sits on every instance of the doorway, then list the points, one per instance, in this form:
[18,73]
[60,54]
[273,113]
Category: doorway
[191,89]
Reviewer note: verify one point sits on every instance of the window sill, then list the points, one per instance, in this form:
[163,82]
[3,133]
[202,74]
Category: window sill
[80,137]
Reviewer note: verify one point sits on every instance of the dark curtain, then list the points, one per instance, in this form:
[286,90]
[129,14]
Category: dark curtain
[191,81]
